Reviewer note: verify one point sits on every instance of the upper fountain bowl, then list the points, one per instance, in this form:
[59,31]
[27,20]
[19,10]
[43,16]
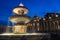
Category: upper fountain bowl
[19,19]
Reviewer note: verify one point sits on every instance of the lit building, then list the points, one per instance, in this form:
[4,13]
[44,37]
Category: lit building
[36,28]
[53,21]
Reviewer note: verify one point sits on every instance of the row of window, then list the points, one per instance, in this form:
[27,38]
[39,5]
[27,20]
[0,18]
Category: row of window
[52,25]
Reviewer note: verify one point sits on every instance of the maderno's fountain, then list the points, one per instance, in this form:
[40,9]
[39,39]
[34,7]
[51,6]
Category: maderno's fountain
[19,20]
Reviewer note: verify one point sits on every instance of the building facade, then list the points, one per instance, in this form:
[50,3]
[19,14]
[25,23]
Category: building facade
[50,23]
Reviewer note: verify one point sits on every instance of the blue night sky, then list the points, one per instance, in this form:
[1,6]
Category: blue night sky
[38,7]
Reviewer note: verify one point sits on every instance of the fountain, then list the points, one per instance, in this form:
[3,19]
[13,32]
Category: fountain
[20,19]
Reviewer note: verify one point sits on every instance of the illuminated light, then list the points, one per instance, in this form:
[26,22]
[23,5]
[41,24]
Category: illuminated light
[49,17]
[21,4]
[38,29]
[37,24]
[56,15]
[43,18]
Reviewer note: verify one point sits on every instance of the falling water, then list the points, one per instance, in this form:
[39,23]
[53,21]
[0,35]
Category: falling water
[8,27]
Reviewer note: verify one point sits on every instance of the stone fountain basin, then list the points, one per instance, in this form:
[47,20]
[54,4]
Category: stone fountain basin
[18,18]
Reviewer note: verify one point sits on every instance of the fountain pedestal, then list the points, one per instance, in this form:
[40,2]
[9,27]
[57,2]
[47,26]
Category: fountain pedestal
[20,29]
